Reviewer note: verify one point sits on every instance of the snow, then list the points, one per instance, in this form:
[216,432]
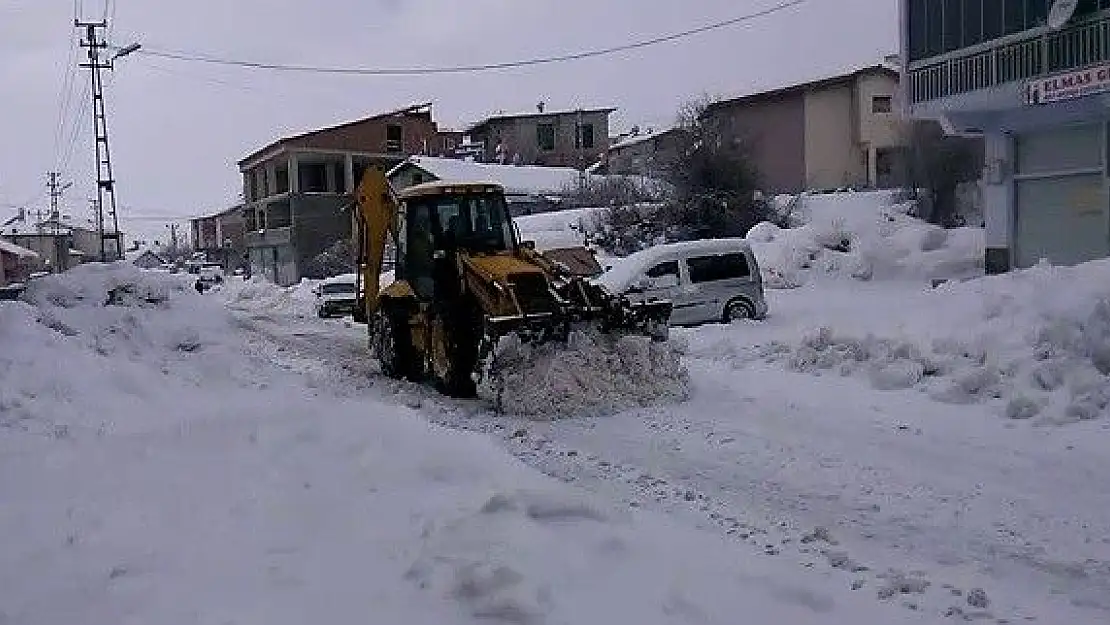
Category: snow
[862,236]
[159,464]
[875,451]
[12,248]
[517,180]
[558,229]
[593,374]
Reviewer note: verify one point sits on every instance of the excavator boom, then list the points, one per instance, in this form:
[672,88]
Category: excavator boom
[377,213]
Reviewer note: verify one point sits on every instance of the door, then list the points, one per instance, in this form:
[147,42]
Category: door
[1061,208]
[661,282]
[1064,220]
[715,279]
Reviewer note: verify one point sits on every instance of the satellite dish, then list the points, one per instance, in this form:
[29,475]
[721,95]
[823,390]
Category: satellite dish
[1061,12]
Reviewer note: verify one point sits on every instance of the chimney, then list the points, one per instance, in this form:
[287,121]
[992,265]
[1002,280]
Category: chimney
[539,107]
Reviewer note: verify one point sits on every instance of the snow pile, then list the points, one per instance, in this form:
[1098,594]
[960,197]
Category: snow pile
[861,235]
[592,374]
[108,335]
[262,296]
[1034,343]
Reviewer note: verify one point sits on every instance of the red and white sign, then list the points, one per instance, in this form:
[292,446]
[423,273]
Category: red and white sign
[1070,85]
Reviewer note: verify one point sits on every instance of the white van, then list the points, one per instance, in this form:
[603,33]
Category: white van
[711,280]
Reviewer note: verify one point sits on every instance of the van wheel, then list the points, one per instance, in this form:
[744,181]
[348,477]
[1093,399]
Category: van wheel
[738,309]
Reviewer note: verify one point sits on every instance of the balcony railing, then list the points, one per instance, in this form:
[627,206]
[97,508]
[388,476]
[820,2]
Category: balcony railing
[997,63]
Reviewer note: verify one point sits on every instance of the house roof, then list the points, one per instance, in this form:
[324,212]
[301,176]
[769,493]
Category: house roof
[134,255]
[504,116]
[640,138]
[818,83]
[516,179]
[411,109]
[12,248]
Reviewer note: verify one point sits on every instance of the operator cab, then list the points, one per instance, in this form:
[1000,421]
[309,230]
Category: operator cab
[438,218]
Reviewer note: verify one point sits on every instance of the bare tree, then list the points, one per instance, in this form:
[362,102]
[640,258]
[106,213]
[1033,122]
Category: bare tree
[714,178]
[939,164]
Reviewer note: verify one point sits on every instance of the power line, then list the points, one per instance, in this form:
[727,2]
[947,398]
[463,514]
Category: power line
[179,55]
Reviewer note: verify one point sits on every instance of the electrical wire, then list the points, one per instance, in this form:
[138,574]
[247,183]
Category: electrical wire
[179,55]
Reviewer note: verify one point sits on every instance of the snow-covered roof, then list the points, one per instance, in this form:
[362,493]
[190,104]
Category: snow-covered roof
[12,248]
[132,255]
[639,138]
[48,227]
[516,179]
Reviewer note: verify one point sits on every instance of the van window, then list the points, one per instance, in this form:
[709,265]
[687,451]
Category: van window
[720,267]
[663,269]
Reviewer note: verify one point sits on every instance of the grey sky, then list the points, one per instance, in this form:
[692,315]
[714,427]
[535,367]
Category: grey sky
[177,129]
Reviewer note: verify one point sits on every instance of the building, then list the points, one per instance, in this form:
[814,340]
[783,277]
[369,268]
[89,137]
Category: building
[60,243]
[642,153]
[221,237]
[574,138]
[840,131]
[16,263]
[296,189]
[528,189]
[145,259]
[1038,91]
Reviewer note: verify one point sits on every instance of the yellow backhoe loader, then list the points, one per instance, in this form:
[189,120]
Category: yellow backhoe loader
[464,279]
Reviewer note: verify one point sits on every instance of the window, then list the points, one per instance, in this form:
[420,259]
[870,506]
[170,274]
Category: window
[585,137]
[313,177]
[1013,16]
[973,22]
[882,104]
[953,24]
[394,138]
[545,136]
[339,174]
[281,178]
[992,19]
[663,269]
[417,178]
[718,267]
[934,18]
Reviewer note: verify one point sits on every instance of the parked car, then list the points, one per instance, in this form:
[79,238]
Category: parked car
[711,280]
[211,273]
[335,296]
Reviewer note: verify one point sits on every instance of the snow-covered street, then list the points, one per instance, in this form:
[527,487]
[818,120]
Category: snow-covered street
[875,451]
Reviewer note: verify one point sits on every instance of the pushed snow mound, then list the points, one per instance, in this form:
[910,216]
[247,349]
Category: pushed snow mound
[109,335]
[863,236]
[593,374]
[258,295]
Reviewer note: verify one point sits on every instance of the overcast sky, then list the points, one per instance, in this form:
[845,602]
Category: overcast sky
[177,129]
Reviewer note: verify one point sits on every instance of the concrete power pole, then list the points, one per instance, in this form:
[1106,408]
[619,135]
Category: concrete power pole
[105,183]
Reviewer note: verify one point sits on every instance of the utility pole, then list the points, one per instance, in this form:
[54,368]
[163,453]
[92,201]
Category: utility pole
[55,190]
[105,183]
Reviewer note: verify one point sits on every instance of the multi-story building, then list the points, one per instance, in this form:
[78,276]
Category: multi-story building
[1033,78]
[839,131]
[221,237]
[576,138]
[297,188]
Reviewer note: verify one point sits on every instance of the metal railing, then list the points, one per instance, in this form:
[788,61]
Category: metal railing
[1039,53]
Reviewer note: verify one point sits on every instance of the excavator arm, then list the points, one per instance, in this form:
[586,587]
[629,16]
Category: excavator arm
[376,213]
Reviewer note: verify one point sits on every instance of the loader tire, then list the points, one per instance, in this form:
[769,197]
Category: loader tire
[393,346]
